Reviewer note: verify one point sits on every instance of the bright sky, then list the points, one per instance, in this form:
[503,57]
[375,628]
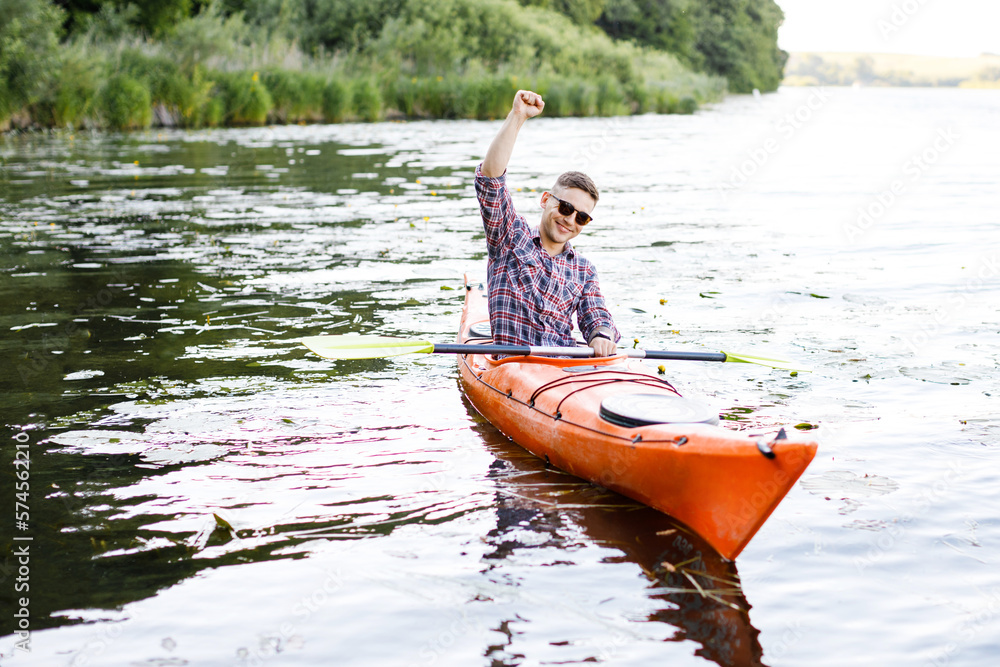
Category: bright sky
[924,27]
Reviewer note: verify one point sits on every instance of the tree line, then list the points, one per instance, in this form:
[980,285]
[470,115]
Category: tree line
[122,64]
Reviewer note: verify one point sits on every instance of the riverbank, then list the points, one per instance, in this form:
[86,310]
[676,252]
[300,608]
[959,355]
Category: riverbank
[432,61]
[123,101]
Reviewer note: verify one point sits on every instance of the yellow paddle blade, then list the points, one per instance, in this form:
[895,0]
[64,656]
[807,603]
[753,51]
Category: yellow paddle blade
[780,364]
[364,347]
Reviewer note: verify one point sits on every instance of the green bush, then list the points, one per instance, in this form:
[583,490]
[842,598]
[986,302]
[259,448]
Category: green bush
[211,114]
[428,37]
[491,96]
[207,38]
[639,97]
[471,95]
[163,78]
[366,100]
[198,107]
[72,93]
[438,97]
[688,105]
[297,96]
[402,94]
[184,93]
[245,99]
[665,101]
[610,97]
[336,100]
[556,96]
[125,103]
[581,98]
[28,51]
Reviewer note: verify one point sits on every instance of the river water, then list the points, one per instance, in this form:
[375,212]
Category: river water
[204,491]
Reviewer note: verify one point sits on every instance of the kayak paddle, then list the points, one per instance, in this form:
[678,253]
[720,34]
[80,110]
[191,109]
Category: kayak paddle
[378,347]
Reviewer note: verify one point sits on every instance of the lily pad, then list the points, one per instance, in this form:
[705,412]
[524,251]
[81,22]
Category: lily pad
[844,483]
[938,374]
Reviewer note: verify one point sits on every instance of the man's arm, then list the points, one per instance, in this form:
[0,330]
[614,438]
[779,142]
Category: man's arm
[526,105]
[594,319]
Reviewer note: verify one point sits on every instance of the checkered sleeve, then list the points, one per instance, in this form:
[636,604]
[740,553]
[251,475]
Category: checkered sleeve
[496,207]
[591,312]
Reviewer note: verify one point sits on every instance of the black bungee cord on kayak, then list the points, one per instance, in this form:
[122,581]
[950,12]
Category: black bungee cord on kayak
[680,440]
[639,378]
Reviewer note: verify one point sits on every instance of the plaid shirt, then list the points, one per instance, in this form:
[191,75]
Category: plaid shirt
[532,295]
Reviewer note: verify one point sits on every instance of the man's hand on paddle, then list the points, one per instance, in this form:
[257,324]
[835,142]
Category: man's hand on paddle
[527,104]
[603,347]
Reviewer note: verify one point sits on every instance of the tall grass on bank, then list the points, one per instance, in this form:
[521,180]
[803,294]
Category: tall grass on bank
[126,100]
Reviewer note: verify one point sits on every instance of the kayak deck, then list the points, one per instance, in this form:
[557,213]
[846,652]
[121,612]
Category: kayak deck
[720,483]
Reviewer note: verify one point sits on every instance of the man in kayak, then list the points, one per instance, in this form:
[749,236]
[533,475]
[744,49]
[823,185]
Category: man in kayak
[536,279]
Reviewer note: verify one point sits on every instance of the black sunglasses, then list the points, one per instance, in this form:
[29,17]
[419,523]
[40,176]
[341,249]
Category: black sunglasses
[567,209]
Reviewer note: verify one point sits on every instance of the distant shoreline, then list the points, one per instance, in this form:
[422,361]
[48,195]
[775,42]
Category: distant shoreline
[891,69]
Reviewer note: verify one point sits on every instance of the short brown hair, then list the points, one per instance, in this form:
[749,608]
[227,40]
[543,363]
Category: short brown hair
[578,180]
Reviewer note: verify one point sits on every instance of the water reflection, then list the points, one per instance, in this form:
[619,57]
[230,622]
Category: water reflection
[698,592]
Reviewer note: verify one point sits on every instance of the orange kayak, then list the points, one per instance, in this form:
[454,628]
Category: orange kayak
[615,422]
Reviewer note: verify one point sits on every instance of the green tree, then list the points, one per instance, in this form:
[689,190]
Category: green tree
[152,17]
[29,41]
[583,12]
[78,12]
[668,25]
[737,39]
[320,25]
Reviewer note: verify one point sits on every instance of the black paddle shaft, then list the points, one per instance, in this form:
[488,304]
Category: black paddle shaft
[521,350]
[459,348]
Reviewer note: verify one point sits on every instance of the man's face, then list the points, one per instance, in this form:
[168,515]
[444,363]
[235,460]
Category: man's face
[555,229]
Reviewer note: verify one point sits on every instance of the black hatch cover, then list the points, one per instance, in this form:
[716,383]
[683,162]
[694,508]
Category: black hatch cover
[480,330]
[631,410]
